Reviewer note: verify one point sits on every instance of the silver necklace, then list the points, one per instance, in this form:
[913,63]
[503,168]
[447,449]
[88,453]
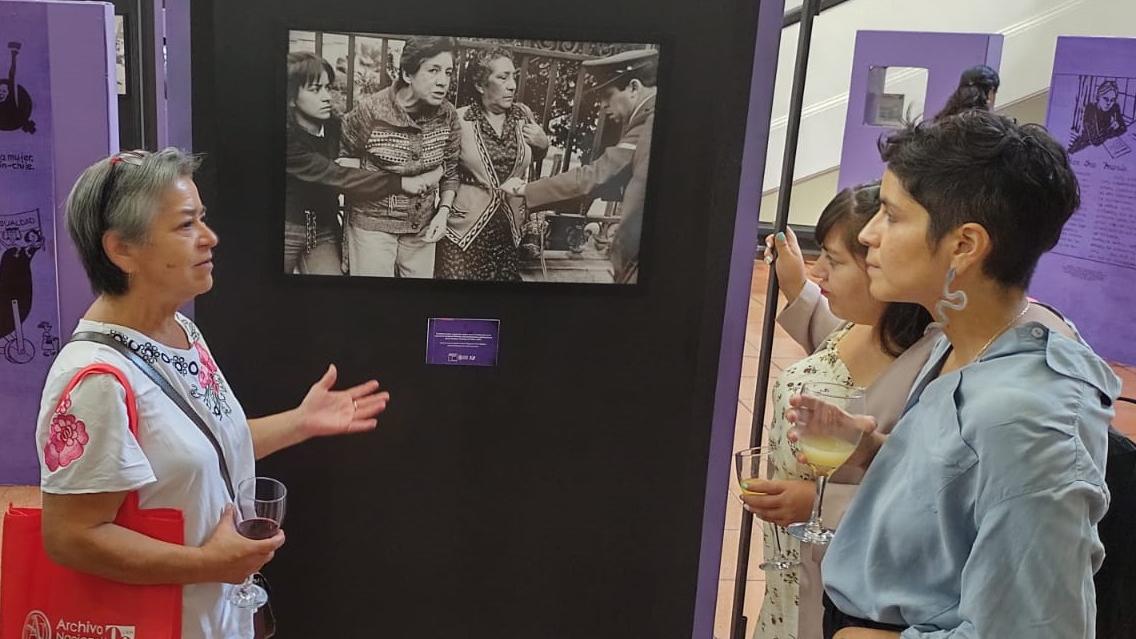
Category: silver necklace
[982,351]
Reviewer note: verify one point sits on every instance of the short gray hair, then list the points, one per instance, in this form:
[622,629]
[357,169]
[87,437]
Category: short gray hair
[482,61]
[120,193]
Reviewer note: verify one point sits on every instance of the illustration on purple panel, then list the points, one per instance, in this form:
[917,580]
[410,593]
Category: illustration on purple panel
[29,298]
[21,237]
[1106,108]
[1087,275]
[15,103]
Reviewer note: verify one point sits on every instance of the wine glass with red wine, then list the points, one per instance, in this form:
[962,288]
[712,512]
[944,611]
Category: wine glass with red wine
[260,502]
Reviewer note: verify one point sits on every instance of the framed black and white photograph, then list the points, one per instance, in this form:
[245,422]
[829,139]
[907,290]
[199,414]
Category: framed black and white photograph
[120,54]
[466,158]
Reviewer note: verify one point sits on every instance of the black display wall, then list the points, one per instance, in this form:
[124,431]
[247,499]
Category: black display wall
[137,109]
[559,494]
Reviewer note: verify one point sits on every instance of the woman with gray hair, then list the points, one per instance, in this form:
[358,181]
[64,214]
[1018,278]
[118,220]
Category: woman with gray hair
[500,140]
[139,226]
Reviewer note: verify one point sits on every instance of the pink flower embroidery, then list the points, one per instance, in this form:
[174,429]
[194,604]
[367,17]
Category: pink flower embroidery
[66,441]
[207,376]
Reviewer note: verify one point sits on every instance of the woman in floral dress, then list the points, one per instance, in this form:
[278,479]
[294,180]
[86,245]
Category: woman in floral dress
[878,346]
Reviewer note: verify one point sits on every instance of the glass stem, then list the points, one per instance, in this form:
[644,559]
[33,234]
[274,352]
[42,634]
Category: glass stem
[815,523]
[245,585]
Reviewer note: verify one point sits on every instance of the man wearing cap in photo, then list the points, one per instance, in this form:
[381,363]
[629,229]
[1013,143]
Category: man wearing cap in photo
[626,86]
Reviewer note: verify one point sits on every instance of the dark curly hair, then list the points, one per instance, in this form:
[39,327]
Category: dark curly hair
[1013,179]
[304,69]
[973,91]
[901,324]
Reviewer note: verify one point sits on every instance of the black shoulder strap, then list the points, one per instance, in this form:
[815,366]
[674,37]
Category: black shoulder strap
[162,383]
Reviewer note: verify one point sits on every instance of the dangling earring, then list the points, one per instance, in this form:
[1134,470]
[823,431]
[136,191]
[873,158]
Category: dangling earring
[953,300]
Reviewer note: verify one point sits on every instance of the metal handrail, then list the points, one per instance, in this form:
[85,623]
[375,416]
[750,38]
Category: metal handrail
[809,10]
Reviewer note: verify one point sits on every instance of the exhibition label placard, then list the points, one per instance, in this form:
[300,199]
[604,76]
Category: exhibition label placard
[462,342]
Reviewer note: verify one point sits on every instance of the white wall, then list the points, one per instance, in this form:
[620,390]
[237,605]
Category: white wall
[1031,28]
[811,194]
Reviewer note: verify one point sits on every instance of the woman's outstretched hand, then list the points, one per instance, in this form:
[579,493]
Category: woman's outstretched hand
[330,412]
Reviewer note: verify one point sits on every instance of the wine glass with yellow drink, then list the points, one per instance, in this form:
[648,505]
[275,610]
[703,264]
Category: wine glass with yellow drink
[826,439]
[753,465]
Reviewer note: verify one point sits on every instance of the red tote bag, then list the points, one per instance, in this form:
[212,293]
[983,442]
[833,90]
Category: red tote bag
[40,599]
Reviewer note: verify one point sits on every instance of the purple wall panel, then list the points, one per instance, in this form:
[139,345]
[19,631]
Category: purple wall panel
[28,300]
[86,125]
[179,114]
[742,254]
[175,104]
[1089,274]
[944,55]
[76,118]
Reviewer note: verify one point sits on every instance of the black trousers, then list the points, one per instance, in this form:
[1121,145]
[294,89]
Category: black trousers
[835,620]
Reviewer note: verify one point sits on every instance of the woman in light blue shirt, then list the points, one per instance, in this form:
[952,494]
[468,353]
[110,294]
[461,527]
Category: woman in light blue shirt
[977,517]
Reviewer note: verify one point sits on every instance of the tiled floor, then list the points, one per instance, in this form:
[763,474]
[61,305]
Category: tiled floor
[785,352]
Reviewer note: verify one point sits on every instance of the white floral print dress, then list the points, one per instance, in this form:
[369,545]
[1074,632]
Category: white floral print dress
[779,610]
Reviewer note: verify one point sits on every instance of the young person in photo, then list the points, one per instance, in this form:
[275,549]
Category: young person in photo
[312,229]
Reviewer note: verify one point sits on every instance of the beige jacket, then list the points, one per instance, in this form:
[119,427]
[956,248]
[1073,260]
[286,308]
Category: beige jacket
[809,322]
[474,204]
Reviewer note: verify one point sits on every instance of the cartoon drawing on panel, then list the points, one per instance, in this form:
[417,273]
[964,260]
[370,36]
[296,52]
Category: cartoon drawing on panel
[49,342]
[15,102]
[1106,109]
[21,237]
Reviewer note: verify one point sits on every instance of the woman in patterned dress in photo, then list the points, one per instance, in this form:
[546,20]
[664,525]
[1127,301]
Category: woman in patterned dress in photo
[854,340]
[499,140]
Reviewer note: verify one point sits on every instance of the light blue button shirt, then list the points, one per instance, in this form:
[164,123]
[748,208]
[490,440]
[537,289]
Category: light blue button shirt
[977,518]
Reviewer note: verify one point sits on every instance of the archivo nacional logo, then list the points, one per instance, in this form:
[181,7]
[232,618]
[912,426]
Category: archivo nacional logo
[38,626]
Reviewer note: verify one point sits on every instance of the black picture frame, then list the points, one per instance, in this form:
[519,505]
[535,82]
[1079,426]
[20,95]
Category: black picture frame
[282,28]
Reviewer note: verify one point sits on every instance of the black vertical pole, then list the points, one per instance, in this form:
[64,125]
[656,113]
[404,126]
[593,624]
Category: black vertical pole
[796,102]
